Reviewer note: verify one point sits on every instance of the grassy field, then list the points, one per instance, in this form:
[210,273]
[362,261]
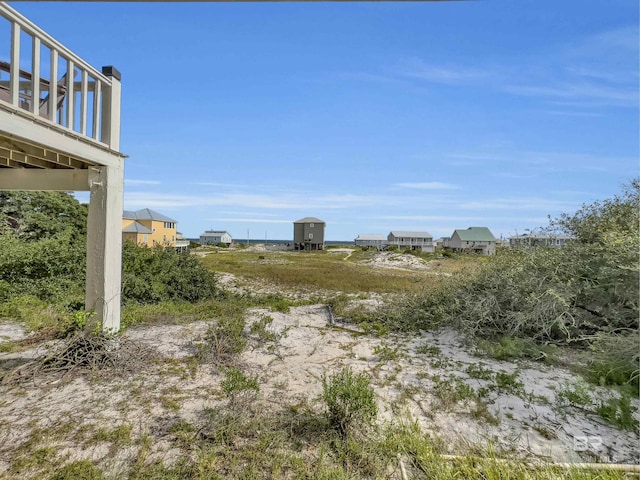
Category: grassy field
[332,270]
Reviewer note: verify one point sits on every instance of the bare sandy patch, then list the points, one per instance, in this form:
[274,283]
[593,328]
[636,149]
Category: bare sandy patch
[435,379]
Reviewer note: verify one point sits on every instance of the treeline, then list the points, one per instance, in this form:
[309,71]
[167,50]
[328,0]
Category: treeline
[43,251]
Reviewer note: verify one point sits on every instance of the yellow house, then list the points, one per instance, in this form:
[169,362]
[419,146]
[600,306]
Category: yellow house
[147,227]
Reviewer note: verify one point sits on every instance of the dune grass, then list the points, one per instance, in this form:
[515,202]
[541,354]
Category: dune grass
[327,270]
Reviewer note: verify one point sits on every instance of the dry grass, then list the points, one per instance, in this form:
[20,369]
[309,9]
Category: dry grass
[329,271]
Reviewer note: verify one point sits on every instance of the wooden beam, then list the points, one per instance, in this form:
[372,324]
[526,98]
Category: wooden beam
[37,179]
[53,158]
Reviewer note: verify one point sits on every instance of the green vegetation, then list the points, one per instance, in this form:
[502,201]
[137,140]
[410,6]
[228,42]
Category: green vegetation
[236,382]
[326,271]
[517,305]
[153,275]
[584,295]
[350,401]
[42,263]
[223,341]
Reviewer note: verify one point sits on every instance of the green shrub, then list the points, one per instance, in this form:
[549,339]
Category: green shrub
[350,401]
[576,394]
[223,341]
[521,302]
[619,411]
[236,382]
[152,275]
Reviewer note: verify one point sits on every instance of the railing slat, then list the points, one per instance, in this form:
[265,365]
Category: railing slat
[15,64]
[35,77]
[70,93]
[97,113]
[53,86]
[83,103]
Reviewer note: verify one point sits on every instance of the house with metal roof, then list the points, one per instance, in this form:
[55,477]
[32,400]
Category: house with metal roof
[214,237]
[411,240]
[308,234]
[370,240]
[148,227]
[478,240]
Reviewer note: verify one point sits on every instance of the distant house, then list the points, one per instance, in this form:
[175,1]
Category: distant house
[148,227]
[440,242]
[214,237]
[370,240]
[411,240]
[308,234]
[182,244]
[534,240]
[474,239]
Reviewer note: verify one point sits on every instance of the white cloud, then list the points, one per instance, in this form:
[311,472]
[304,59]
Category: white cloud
[445,74]
[248,220]
[288,201]
[521,203]
[132,181]
[428,185]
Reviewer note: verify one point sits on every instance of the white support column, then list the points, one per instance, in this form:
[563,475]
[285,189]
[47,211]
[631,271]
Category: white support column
[104,245]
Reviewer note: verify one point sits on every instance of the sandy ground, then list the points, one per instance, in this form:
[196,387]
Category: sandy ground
[455,394]
[411,376]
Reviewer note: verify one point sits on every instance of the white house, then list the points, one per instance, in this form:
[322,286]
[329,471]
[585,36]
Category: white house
[216,236]
[473,239]
[533,240]
[411,240]
[370,240]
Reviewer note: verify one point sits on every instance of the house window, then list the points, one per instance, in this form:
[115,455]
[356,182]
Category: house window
[164,238]
[145,238]
[173,238]
[310,236]
[311,225]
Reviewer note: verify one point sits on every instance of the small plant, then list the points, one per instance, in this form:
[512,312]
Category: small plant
[236,382]
[619,411]
[451,390]
[386,353]
[120,435]
[576,395]
[430,350]
[223,341]
[479,371]
[79,470]
[261,329]
[350,401]
[508,382]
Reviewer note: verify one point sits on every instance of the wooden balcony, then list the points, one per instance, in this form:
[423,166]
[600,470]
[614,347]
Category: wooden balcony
[60,130]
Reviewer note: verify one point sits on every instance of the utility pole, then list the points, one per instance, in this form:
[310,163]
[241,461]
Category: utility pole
[247,237]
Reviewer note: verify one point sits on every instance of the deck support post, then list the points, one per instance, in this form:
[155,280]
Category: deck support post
[104,225]
[104,246]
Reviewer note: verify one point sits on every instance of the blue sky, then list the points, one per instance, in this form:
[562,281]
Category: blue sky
[371,116]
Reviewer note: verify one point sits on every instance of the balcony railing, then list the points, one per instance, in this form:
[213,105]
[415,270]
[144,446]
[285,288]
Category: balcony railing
[42,78]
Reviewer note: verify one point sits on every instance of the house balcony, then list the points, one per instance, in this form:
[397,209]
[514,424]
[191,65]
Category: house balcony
[56,110]
[60,130]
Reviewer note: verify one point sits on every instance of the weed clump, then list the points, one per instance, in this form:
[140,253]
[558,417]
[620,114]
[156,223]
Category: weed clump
[223,341]
[350,401]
